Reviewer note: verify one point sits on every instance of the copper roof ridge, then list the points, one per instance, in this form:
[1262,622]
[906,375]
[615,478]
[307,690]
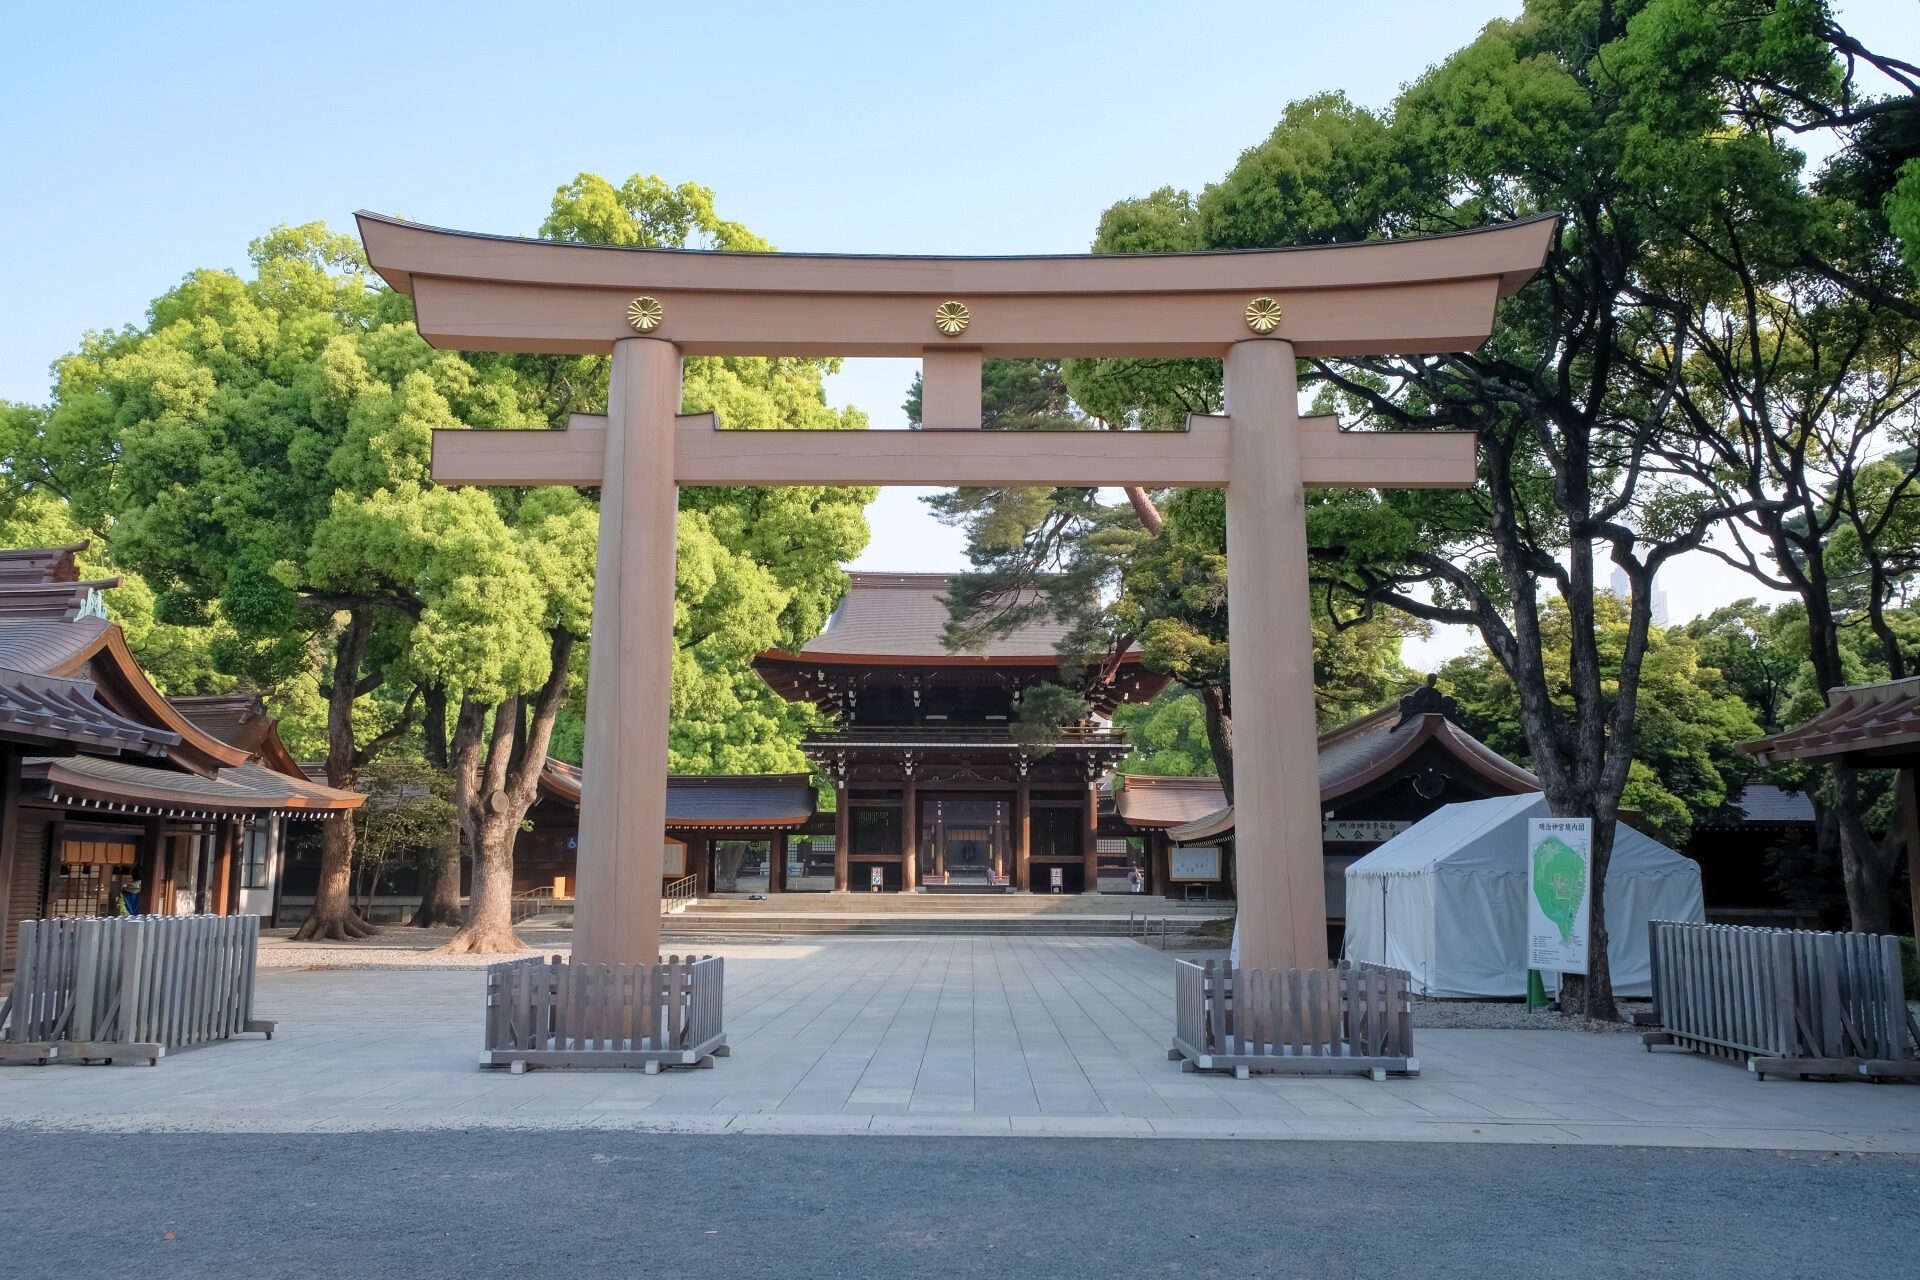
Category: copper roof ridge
[370,216]
[1362,725]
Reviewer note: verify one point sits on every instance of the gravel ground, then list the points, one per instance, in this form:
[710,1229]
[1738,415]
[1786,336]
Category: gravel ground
[396,947]
[1512,1015]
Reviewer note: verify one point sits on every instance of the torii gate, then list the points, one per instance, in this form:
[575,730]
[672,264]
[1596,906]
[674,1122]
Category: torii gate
[1258,309]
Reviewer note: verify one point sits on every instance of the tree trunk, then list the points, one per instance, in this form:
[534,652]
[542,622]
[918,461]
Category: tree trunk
[1870,866]
[440,888]
[433,730]
[509,785]
[333,915]
[727,857]
[1149,515]
[1216,701]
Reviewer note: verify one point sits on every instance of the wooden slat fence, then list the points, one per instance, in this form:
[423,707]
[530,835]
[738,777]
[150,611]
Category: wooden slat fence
[1318,1021]
[553,1013]
[1784,1001]
[130,986]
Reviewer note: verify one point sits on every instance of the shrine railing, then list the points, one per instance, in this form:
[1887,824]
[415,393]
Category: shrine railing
[553,1013]
[990,734]
[1348,1019]
[1785,1001]
[129,986]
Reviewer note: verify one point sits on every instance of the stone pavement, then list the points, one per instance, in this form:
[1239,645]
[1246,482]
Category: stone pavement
[936,1036]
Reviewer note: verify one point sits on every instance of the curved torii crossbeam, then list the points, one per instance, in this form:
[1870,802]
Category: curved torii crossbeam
[1258,309]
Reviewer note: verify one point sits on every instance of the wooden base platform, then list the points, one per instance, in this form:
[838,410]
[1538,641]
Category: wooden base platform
[649,1060]
[1331,1063]
[103,1051]
[1840,1068]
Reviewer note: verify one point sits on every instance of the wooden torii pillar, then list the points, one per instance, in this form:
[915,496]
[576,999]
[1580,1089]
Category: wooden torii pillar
[1260,310]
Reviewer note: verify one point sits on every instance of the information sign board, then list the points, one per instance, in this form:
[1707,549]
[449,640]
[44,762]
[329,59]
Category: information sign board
[1559,885]
[1199,862]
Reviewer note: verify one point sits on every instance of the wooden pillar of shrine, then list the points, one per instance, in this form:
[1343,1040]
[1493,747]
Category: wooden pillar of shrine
[1909,809]
[1279,879]
[1090,842]
[1023,838]
[909,840]
[153,867]
[842,835]
[623,806]
[10,757]
[222,872]
[777,864]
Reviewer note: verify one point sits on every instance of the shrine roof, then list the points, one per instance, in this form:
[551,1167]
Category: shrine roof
[52,625]
[1351,757]
[40,565]
[121,786]
[899,617]
[42,711]
[1361,752]
[240,720]
[711,801]
[1867,719]
[1763,805]
[1149,800]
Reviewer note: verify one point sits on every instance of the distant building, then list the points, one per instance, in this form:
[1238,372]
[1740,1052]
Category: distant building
[1624,589]
[931,786]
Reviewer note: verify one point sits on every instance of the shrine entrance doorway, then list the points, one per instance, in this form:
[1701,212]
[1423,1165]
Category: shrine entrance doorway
[966,839]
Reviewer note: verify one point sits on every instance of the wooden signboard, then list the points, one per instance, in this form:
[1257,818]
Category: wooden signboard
[1201,862]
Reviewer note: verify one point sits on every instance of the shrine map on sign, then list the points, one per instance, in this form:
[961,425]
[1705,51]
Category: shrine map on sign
[1559,883]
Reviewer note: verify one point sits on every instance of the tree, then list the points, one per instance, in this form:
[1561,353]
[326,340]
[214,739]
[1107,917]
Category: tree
[755,568]
[256,454]
[1169,735]
[406,813]
[1776,331]
[1685,763]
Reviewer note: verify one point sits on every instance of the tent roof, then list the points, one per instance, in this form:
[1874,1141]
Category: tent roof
[1481,837]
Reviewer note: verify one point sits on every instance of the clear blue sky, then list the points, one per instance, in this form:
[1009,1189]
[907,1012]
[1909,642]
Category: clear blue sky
[141,141]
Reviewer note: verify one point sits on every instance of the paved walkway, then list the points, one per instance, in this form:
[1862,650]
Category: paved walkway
[937,1036]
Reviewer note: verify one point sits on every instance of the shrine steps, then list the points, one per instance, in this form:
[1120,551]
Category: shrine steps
[897,913]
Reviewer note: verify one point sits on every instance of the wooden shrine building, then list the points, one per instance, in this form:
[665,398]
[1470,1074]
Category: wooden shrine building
[931,788]
[724,834]
[116,798]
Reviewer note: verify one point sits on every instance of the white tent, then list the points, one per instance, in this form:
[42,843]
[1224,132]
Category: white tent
[1446,900]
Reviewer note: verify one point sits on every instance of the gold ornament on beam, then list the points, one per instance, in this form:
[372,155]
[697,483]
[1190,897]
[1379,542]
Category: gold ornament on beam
[645,314]
[951,318]
[1263,315]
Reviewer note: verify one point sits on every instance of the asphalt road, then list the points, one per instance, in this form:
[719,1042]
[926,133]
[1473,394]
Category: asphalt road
[577,1205]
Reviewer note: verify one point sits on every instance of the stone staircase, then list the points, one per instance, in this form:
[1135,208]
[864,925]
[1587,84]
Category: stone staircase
[895,914]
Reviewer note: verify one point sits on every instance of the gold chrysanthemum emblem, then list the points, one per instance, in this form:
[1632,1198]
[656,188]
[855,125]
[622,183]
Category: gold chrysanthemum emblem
[951,318]
[1263,315]
[645,314]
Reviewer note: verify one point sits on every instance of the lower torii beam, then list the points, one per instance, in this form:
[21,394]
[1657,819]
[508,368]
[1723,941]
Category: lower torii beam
[1261,452]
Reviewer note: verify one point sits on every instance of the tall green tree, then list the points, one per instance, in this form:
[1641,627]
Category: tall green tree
[1777,333]
[257,450]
